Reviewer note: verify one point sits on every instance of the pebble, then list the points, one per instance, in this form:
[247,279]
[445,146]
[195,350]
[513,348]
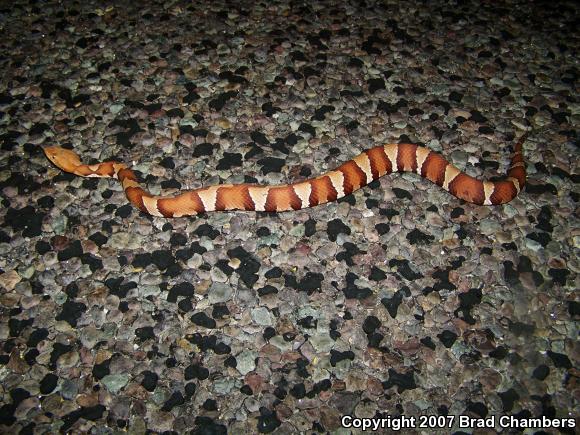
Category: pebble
[8,280]
[246,361]
[218,275]
[224,385]
[321,341]
[262,316]
[69,389]
[115,382]
[219,292]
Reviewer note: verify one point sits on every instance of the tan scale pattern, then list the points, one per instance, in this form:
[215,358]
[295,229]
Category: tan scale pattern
[259,194]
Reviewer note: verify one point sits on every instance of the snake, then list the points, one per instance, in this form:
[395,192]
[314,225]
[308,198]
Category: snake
[332,185]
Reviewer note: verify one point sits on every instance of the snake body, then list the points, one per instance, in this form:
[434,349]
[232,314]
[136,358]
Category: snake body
[352,175]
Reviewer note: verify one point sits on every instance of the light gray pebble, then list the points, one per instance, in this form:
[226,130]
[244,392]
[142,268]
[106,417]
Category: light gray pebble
[489,226]
[160,395]
[251,404]
[150,279]
[115,382]
[218,275]
[69,388]
[282,344]
[366,409]
[149,290]
[219,292]
[297,230]
[271,239]
[246,361]
[116,108]
[90,336]
[262,316]
[225,385]
[321,341]
[532,245]
[459,158]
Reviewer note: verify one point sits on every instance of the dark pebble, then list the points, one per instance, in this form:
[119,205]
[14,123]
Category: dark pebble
[71,311]
[370,324]
[174,400]
[402,381]
[447,338]
[377,274]
[229,161]
[335,227]
[271,164]
[404,268]
[144,333]
[201,319]
[267,421]
[417,237]
[149,381]
[541,372]
[392,304]
[560,360]
[508,399]
[196,371]
[337,356]
[48,383]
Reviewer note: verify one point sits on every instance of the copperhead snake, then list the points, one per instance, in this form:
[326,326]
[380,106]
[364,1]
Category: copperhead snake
[330,186]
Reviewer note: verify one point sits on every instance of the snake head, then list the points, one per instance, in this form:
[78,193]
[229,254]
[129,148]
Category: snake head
[64,159]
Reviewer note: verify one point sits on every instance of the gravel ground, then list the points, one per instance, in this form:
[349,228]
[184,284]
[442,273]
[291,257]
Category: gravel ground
[397,302]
